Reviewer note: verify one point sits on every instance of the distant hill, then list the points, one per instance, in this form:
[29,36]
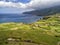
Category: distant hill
[45,12]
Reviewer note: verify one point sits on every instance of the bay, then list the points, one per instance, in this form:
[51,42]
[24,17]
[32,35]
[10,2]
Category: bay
[25,18]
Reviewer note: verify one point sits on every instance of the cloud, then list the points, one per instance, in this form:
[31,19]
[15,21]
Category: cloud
[42,3]
[11,4]
[33,4]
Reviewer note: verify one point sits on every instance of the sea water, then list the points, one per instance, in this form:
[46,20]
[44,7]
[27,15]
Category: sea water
[25,18]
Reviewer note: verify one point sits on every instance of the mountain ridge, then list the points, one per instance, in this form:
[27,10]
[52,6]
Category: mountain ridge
[45,11]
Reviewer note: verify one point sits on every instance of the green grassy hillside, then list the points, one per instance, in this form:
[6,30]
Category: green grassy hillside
[42,32]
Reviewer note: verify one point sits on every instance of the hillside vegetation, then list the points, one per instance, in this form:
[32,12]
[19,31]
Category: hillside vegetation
[42,32]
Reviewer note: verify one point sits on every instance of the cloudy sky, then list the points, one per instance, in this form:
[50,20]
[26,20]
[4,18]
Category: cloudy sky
[17,6]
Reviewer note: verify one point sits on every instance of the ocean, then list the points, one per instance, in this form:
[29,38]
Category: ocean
[25,18]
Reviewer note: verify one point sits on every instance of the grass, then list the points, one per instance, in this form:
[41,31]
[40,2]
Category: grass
[42,32]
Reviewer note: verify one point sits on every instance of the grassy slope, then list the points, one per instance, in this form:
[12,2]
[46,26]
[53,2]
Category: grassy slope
[46,32]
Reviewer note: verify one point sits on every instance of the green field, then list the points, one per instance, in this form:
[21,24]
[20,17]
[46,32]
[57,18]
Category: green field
[42,32]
